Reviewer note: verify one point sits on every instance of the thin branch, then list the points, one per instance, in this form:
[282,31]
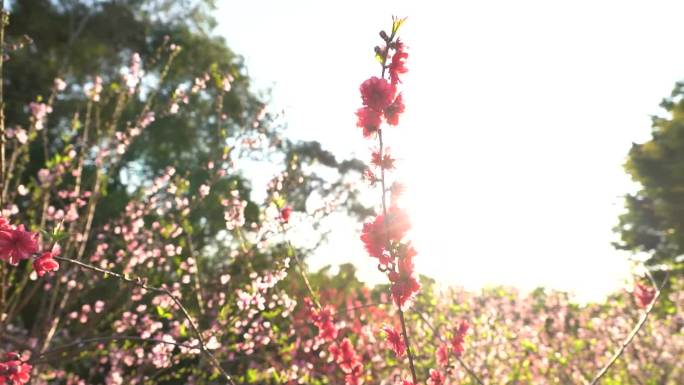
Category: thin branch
[141,283]
[633,333]
[436,334]
[41,358]
[302,270]
[4,20]
[409,353]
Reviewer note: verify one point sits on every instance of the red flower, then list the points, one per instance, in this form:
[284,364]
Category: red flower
[347,358]
[14,372]
[436,378]
[377,93]
[393,110]
[370,177]
[324,320]
[373,237]
[643,294]
[398,223]
[45,264]
[17,244]
[404,284]
[398,64]
[442,355]
[335,352]
[395,340]
[5,225]
[369,120]
[285,214]
[384,161]
[355,376]
[459,337]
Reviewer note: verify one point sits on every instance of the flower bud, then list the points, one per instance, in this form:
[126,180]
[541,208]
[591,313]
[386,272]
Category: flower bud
[383,36]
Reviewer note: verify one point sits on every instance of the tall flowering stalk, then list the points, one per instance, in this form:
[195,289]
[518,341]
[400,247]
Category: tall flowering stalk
[384,236]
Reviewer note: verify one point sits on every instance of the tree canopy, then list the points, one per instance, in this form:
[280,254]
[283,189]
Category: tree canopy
[654,218]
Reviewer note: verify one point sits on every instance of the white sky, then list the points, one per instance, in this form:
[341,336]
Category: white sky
[519,117]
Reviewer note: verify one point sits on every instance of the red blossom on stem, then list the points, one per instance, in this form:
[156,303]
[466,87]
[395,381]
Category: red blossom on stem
[368,119]
[17,244]
[459,337]
[442,355]
[643,294]
[370,177]
[348,361]
[405,286]
[13,371]
[393,111]
[377,93]
[285,214]
[45,264]
[324,319]
[395,340]
[376,235]
[398,64]
[384,161]
[436,378]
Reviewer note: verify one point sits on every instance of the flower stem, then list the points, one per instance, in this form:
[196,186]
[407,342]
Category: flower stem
[408,346]
[384,212]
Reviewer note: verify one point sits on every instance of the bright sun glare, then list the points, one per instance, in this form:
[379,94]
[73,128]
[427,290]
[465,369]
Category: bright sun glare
[519,117]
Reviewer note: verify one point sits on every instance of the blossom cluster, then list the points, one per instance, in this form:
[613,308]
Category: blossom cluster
[17,244]
[341,352]
[13,370]
[384,236]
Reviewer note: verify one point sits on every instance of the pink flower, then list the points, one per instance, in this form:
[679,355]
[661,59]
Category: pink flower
[45,264]
[369,120]
[442,355]
[373,237]
[398,64]
[395,340]
[39,111]
[4,224]
[348,359]
[59,84]
[393,111]
[13,371]
[376,234]
[459,337]
[436,378]
[17,244]
[384,161]
[377,93]
[285,214]
[369,177]
[643,294]
[405,286]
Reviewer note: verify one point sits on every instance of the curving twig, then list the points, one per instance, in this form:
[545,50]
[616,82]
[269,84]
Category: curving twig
[141,283]
[79,343]
[635,330]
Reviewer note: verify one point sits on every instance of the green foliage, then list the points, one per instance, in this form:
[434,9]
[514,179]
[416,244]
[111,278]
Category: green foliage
[654,220]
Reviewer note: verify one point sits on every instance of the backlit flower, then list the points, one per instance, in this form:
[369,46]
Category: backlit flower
[17,244]
[377,93]
[395,340]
